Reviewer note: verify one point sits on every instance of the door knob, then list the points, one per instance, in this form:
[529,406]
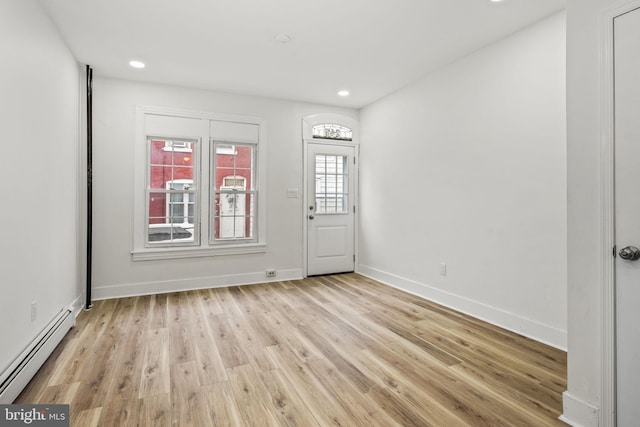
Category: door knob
[311,216]
[630,253]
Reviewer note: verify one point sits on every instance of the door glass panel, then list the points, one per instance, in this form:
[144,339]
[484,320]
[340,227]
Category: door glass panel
[332,131]
[331,188]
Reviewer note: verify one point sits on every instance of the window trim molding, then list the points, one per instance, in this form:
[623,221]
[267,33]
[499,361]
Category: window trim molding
[151,254]
[142,252]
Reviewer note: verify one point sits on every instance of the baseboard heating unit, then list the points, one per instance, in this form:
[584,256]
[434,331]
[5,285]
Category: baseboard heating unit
[15,378]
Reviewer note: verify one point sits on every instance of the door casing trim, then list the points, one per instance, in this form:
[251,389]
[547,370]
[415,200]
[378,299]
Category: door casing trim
[607,413]
[307,125]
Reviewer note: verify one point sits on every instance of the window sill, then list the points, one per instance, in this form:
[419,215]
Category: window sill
[178,253]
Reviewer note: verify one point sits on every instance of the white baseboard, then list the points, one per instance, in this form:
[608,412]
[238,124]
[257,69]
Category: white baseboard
[162,287]
[543,333]
[76,306]
[577,412]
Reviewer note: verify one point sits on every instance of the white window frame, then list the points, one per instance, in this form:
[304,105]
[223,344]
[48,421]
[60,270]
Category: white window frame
[193,143]
[165,123]
[168,194]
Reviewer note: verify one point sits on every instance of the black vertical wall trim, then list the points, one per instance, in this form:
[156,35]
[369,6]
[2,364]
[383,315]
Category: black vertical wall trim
[89,73]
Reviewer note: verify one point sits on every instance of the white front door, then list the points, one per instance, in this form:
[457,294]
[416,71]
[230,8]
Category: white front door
[627,215]
[330,208]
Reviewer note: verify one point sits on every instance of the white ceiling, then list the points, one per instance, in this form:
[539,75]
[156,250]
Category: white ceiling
[369,47]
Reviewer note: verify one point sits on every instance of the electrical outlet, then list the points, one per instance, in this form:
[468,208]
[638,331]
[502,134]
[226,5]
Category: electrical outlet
[271,273]
[443,269]
[34,310]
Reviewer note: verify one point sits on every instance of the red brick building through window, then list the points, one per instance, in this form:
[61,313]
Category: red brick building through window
[173,181]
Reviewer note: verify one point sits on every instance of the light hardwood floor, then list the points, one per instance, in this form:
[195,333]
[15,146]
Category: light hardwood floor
[338,350]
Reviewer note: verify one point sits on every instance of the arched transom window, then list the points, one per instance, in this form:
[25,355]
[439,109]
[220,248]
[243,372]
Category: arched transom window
[332,131]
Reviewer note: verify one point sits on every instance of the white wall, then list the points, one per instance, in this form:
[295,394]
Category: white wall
[467,167]
[39,87]
[115,274]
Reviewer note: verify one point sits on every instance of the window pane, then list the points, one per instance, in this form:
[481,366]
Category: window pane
[244,156]
[321,184]
[331,164]
[179,202]
[236,167]
[157,207]
[159,175]
[176,213]
[182,159]
[321,164]
[172,189]
[169,233]
[331,184]
[234,192]
[234,216]
[332,131]
[169,165]
[180,173]
[157,153]
[225,149]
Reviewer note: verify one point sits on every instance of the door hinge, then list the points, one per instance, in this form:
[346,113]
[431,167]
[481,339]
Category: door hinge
[354,208]
[614,251]
[354,160]
[354,257]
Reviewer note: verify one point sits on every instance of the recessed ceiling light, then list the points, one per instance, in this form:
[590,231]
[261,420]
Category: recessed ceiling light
[495,1]
[136,64]
[343,93]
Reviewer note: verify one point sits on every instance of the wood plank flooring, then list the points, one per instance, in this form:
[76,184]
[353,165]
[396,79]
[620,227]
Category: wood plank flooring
[338,350]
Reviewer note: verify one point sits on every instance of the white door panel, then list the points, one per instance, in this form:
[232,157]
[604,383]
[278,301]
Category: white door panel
[331,202]
[331,241]
[627,214]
